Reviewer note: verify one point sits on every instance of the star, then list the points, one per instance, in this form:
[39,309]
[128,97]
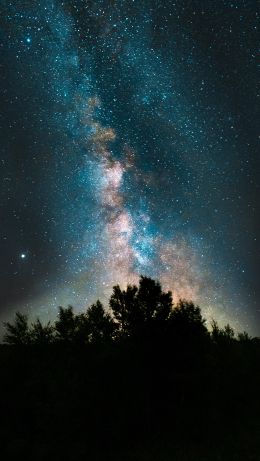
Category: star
[125,166]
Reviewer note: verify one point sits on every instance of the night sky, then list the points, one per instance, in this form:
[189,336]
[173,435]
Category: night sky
[129,146]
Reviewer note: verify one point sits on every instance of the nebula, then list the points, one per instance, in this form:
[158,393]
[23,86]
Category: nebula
[129,147]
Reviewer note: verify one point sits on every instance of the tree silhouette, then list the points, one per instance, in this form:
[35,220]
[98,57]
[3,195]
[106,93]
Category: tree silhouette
[136,373]
[81,330]
[185,312]
[125,308]
[229,332]
[65,326]
[95,325]
[154,303]
[224,335]
[186,323]
[139,309]
[100,324]
[244,337]
[17,334]
[41,334]
[144,312]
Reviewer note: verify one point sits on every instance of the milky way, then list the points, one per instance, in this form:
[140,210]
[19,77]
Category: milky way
[129,146]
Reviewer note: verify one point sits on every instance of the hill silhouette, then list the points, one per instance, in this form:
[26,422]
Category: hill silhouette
[142,380]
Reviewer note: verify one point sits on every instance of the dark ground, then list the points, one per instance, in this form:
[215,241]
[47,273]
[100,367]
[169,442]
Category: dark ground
[123,402]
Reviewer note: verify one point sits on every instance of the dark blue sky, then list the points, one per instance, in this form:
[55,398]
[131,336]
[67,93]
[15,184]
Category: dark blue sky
[129,146]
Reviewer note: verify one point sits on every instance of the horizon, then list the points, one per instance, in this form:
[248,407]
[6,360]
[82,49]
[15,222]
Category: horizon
[129,146]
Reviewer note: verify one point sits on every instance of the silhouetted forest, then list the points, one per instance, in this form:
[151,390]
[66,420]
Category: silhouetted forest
[144,379]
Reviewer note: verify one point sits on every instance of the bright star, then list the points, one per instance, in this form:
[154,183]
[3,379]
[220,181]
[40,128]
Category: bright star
[28,39]
[22,255]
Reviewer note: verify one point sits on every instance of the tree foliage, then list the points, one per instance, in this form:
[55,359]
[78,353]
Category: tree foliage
[142,308]
[65,326]
[100,323]
[17,333]
[145,312]
[41,334]
[144,370]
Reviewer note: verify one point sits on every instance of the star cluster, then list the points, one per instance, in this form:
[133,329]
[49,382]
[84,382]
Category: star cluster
[129,146]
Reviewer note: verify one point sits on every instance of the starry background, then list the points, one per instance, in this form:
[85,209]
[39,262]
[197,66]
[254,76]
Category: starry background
[129,146]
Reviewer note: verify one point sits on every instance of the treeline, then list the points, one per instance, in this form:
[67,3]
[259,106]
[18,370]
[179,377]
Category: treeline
[140,314]
[143,379]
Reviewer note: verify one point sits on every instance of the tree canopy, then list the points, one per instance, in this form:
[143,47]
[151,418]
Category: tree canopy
[144,311]
[142,371]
